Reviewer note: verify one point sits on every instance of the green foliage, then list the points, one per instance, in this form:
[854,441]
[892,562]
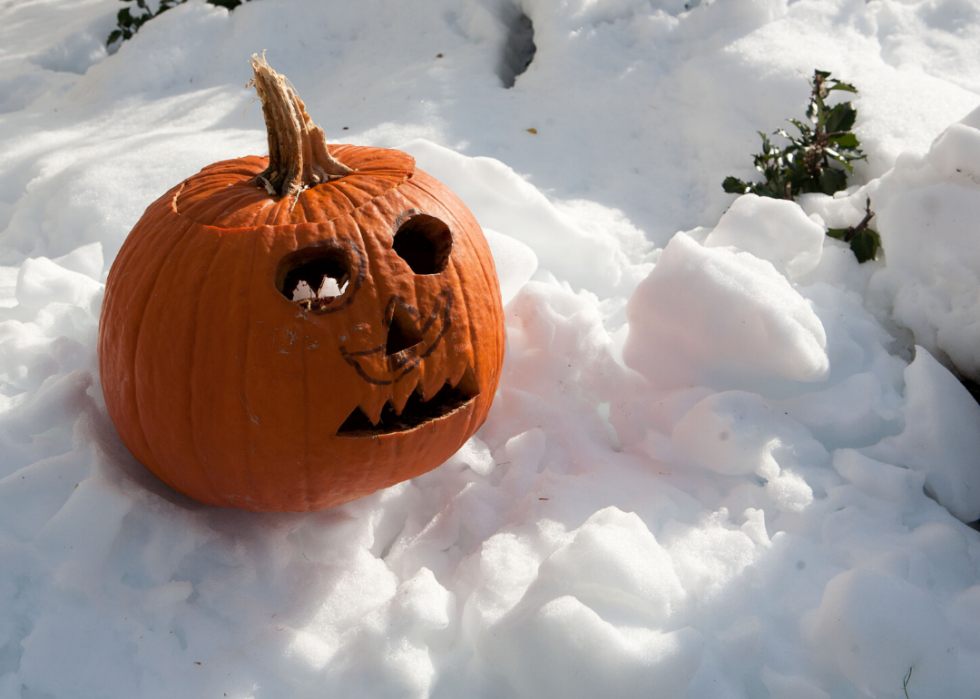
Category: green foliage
[817,160]
[864,241]
[131,18]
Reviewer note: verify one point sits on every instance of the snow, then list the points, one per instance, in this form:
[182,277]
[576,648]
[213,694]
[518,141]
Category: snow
[724,461]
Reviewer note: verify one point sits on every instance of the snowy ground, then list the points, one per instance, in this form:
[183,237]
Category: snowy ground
[723,463]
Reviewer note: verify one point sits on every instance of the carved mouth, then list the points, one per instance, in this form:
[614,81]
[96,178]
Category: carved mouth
[416,412]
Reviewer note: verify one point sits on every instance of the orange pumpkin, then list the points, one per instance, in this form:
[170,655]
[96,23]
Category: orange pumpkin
[294,332]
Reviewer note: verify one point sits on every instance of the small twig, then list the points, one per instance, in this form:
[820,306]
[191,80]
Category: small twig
[854,230]
[905,683]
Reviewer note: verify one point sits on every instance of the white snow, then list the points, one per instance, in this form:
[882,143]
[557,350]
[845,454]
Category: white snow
[725,461]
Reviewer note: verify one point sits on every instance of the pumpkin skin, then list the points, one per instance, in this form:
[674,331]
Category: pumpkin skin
[234,394]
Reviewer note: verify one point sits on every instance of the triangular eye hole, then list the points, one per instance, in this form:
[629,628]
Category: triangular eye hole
[425,243]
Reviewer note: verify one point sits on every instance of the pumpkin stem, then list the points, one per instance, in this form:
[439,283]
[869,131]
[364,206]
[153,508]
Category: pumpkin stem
[298,154]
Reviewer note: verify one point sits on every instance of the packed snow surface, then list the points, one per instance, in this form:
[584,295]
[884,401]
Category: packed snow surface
[725,462]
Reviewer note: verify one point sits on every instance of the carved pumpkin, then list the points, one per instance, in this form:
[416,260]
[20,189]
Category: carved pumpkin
[296,332]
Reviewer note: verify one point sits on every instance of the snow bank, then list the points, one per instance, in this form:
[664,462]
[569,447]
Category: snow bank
[710,316]
[927,210]
[717,465]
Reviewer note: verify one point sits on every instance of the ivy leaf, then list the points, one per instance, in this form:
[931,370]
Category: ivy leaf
[838,233]
[846,87]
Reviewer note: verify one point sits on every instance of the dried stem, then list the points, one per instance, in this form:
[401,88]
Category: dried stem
[854,230]
[298,154]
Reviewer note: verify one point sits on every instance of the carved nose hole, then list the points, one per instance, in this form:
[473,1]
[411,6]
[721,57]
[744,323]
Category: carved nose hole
[425,243]
[402,331]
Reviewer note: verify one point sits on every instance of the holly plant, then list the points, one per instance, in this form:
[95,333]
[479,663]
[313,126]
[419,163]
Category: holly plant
[817,160]
[139,12]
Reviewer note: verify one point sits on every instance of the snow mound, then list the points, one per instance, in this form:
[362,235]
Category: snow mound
[711,316]
[723,463]
[926,210]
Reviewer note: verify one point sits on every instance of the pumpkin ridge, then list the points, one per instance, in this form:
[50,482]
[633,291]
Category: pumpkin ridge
[307,209]
[492,382]
[354,206]
[140,340]
[250,419]
[257,482]
[470,359]
[306,428]
[233,205]
[223,208]
[201,453]
[113,307]
[488,277]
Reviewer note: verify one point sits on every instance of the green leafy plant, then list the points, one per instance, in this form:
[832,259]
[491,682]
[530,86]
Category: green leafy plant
[819,159]
[864,241]
[139,12]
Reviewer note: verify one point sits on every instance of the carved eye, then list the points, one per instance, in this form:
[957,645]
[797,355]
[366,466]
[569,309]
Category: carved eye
[424,242]
[317,277]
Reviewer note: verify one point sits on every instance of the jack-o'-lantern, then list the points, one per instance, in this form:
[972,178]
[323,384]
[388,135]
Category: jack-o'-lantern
[293,332]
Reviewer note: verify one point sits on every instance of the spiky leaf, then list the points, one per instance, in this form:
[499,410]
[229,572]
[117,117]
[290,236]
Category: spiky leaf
[865,245]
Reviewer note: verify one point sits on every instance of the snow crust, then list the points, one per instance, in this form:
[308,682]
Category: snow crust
[727,462]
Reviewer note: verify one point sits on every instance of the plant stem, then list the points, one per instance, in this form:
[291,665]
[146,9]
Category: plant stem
[819,135]
[298,154]
[854,230]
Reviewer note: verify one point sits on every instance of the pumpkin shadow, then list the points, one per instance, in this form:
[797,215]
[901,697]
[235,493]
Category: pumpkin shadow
[120,466]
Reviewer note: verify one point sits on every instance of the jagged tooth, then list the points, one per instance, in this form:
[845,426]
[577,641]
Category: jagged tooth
[402,391]
[372,404]
[467,383]
[432,380]
[457,371]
